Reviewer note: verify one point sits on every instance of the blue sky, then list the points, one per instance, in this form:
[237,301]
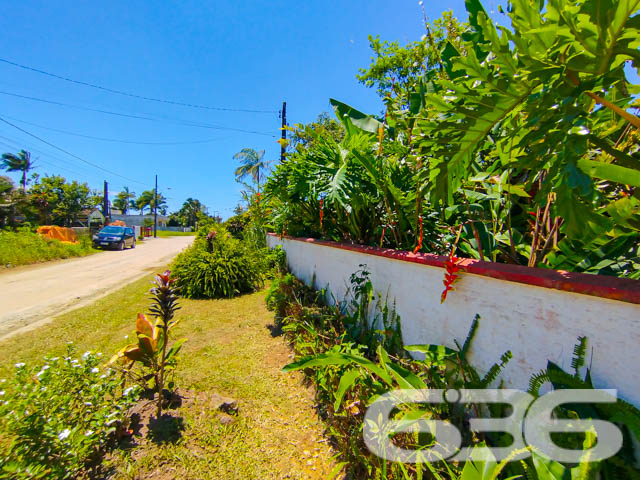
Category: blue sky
[246,54]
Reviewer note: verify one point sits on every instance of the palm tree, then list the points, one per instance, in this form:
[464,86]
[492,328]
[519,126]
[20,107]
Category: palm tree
[18,163]
[124,200]
[144,201]
[250,164]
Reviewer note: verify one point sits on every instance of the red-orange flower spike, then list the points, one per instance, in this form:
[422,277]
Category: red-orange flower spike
[419,246]
[321,212]
[451,276]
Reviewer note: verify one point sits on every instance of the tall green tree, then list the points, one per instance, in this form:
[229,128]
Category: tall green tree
[144,201]
[162,204]
[60,202]
[251,162]
[125,200]
[147,199]
[18,163]
[188,213]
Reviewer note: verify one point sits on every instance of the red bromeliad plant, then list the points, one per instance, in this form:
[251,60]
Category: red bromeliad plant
[451,276]
[151,349]
[452,268]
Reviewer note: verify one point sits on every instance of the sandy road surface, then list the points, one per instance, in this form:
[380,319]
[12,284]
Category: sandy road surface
[31,296]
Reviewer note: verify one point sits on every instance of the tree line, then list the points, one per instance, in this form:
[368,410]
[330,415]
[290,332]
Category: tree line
[52,200]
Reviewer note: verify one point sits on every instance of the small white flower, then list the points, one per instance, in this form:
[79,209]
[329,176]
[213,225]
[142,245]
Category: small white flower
[127,391]
[1,393]
[19,365]
[95,370]
[85,355]
[88,404]
[88,432]
[126,336]
[64,434]
[74,361]
[423,38]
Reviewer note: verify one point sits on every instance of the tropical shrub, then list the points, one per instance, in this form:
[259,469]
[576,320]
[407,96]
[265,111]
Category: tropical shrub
[350,373]
[59,417]
[521,138]
[218,266]
[152,348]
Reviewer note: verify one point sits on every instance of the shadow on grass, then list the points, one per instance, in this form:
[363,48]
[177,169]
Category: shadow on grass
[275,329]
[166,429]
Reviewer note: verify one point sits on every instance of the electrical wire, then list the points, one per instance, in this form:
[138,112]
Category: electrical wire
[133,95]
[18,144]
[70,154]
[132,142]
[186,123]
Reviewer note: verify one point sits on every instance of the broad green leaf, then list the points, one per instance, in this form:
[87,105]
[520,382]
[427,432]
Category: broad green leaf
[609,171]
[352,117]
[346,381]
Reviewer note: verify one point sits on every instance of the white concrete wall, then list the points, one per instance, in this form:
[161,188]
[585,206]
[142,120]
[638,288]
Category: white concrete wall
[537,324]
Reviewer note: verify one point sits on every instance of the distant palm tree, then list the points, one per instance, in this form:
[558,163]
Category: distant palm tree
[144,201]
[18,163]
[125,200]
[250,164]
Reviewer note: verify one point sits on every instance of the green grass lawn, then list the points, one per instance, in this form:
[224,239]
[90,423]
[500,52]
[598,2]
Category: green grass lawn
[23,248]
[230,350]
[165,233]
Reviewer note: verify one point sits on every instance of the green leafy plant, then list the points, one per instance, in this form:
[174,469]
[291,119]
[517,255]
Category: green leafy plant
[218,266]
[57,418]
[153,337]
[523,138]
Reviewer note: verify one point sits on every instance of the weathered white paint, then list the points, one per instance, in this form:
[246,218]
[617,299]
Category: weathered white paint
[537,324]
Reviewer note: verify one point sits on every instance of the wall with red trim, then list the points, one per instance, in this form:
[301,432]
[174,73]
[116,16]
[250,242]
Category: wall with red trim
[538,314]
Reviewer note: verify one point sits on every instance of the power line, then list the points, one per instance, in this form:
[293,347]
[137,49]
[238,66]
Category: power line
[18,144]
[114,139]
[133,95]
[69,153]
[186,123]
[40,160]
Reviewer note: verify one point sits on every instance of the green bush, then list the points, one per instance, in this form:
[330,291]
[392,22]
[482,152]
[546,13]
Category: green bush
[218,266]
[275,261]
[58,417]
[24,247]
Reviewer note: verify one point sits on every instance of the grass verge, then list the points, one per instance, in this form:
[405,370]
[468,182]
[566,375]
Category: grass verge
[232,350]
[166,233]
[24,248]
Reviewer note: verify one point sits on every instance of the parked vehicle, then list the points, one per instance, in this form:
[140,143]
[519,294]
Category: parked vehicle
[115,237]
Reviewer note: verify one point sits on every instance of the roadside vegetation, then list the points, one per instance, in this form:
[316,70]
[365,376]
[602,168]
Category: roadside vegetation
[352,352]
[231,350]
[168,233]
[25,247]
[506,144]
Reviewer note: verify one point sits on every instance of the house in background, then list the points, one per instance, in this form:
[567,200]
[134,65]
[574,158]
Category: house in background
[138,220]
[91,218]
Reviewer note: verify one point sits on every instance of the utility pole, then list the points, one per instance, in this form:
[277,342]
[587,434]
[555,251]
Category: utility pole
[284,132]
[105,201]
[155,211]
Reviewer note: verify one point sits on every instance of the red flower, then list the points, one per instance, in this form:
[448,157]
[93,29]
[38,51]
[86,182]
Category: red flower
[451,276]
[321,212]
[419,246]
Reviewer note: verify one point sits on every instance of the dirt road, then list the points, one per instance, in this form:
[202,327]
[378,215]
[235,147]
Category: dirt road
[31,296]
